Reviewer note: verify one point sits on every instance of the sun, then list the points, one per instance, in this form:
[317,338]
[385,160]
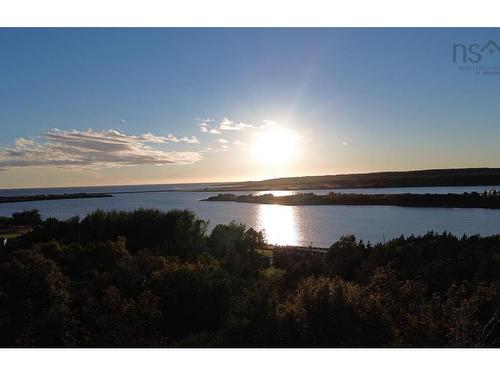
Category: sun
[276,146]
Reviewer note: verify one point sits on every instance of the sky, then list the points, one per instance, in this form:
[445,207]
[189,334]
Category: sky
[81,107]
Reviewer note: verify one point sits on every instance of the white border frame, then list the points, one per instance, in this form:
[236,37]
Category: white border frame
[245,13]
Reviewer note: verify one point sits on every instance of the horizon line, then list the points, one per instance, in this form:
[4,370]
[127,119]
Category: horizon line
[243,180]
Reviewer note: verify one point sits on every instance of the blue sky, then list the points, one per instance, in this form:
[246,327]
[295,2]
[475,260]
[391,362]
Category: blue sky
[345,100]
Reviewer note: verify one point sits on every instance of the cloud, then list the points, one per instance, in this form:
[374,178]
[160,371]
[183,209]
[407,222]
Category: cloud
[269,123]
[227,124]
[173,138]
[266,128]
[205,128]
[94,149]
[204,120]
[215,150]
[345,143]
[203,124]
[224,124]
[151,138]
[23,142]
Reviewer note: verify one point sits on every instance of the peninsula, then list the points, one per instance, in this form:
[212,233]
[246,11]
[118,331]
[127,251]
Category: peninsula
[47,197]
[489,199]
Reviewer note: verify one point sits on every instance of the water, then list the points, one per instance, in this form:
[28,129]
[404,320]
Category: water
[284,225]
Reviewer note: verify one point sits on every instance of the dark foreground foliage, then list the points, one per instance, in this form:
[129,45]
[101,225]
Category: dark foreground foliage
[152,279]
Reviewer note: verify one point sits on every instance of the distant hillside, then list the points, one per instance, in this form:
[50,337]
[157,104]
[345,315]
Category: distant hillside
[422,178]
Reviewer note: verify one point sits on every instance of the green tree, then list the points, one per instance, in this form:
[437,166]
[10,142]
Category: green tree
[236,246]
[26,218]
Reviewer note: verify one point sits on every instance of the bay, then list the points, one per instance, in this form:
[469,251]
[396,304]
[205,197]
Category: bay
[283,225]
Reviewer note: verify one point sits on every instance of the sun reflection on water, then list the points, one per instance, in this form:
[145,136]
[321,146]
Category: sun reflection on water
[276,193]
[279,224]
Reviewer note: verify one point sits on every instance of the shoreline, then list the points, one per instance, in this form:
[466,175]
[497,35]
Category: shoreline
[489,200]
[48,197]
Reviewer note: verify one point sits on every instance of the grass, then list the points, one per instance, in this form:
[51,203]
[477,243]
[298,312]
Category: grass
[14,232]
[265,252]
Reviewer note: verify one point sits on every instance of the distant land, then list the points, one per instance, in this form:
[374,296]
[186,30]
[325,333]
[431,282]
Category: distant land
[46,197]
[466,200]
[420,178]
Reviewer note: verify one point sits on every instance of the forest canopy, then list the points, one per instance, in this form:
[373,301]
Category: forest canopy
[148,278]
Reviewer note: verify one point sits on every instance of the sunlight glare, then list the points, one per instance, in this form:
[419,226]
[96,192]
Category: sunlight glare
[279,224]
[275,146]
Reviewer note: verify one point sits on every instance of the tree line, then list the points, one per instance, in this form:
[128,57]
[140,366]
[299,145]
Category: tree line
[148,278]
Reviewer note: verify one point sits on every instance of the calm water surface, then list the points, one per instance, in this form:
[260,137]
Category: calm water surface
[292,225]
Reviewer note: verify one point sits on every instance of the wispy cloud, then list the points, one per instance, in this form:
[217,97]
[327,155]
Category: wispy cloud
[204,120]
[205,127]
[268,123]
[214,149]
[223,125]
[227,124]
[173,138]
[94,149]
[222,140]
[238,143]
